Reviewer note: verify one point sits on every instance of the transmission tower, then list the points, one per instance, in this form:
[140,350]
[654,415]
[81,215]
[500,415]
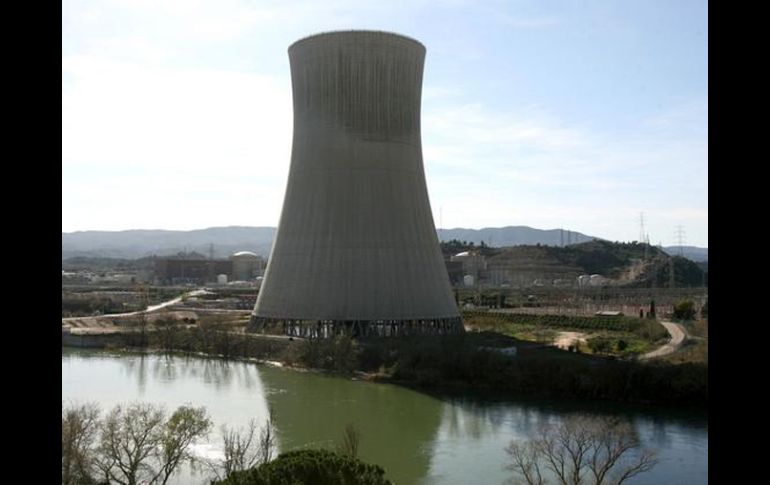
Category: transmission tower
[641,227]
[680,239]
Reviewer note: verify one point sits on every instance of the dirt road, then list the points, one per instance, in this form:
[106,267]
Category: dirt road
[678,336]
[150,309]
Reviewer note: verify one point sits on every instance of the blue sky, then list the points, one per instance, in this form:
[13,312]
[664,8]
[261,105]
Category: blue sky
[574,114]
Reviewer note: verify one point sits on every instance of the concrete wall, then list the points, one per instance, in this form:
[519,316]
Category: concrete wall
[356,238]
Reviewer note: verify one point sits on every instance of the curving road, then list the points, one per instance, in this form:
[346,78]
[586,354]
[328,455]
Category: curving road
[150,309]
[678,336]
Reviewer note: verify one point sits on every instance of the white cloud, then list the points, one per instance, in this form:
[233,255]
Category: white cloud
[177,114]
[530,168]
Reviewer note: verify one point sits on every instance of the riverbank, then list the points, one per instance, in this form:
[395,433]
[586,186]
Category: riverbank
[418,437]
[458,365]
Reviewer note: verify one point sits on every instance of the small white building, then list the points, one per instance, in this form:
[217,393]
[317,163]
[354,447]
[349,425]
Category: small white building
[473,263]
[597,280]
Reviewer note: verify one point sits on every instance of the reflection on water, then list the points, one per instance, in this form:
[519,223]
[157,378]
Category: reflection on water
[220,374]
[417,438]
[397,426]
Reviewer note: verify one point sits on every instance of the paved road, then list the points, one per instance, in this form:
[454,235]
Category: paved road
[678,335]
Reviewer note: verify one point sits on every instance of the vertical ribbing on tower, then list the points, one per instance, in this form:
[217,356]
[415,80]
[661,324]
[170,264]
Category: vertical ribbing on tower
[356,243]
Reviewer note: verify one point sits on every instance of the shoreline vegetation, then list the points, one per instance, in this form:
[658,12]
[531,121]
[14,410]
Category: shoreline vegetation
[457,365]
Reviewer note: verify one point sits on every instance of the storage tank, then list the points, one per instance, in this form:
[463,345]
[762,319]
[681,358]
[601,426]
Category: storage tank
[222,279]
[356,247]
[246,265]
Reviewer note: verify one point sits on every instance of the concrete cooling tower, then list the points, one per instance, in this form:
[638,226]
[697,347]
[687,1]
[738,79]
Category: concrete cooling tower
[356,250]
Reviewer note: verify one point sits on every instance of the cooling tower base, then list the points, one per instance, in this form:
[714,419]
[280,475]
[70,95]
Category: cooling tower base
[356,328]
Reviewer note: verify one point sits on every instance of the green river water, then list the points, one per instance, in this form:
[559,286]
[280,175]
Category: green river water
[416,437]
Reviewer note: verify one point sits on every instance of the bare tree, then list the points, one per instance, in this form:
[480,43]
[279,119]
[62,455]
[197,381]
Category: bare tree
[267,439]
[137,443]
[144,303]
[183,427]
[581,448]
[351,438]
[239,450]
[166,330]
[525,462]
[130,435]
[79,428]
[243,448]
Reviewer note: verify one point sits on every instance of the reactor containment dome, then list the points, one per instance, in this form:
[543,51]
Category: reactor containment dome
[356,250]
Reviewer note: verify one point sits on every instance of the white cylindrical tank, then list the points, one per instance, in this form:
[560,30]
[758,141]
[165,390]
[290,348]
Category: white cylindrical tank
[222,279]
[246,265]
[468,280]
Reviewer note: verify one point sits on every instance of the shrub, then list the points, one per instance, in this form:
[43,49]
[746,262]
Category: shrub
[338,354]
[310,467]
[599,345]
[684,310]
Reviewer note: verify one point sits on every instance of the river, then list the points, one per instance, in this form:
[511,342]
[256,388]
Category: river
[416,437]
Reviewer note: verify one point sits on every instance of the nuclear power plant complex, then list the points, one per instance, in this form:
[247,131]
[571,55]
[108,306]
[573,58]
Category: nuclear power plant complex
[356,250]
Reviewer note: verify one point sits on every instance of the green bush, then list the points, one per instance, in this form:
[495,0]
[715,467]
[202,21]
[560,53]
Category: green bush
[310,467]
[339,354]
[684,310]
[600,345]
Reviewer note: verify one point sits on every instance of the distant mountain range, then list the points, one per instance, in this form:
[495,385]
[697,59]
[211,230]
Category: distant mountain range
[140,243]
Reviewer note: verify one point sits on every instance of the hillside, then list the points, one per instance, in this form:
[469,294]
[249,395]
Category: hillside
[692,253]
[625,263]
[136,244]
[513,236]
[141,243]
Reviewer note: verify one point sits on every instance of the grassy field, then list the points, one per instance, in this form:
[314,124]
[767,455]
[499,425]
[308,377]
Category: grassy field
[609,336]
